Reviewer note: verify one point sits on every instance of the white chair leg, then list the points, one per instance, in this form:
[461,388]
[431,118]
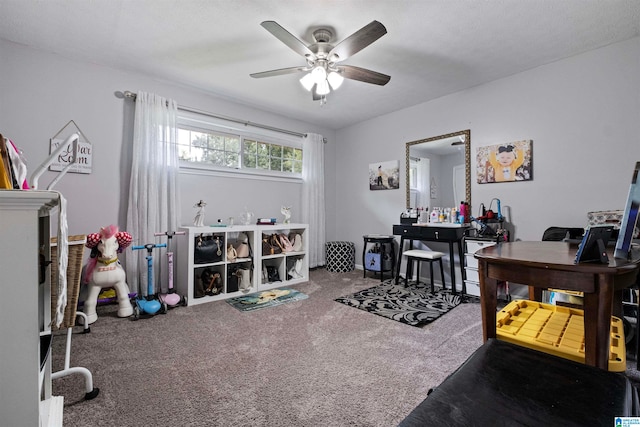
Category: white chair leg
[90,392]
[85,322]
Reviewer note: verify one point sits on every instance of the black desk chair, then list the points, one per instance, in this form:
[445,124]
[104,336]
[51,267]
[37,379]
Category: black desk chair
[558,234]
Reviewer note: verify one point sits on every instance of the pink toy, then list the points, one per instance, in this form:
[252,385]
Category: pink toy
[103,270]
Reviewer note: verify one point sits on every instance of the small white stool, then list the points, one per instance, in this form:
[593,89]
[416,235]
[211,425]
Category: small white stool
[419,255]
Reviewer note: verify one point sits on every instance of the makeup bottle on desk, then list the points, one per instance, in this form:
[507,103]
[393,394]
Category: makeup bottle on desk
[424,216]
[435,216]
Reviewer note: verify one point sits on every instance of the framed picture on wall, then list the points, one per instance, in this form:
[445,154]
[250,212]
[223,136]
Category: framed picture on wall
[505,162]
[384,175]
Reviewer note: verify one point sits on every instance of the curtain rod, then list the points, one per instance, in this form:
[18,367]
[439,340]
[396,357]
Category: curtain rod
[129,94]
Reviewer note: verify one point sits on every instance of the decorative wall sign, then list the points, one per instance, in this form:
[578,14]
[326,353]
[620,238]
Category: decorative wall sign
[505,162]
[85,151]
[384,175]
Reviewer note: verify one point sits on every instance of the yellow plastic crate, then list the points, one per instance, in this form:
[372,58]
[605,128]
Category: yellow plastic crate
[555,330]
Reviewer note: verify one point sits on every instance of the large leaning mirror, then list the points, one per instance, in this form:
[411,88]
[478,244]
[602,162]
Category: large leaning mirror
[439,171]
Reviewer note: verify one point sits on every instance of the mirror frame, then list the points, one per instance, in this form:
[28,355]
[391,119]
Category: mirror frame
[467,161]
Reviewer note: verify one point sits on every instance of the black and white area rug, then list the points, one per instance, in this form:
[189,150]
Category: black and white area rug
[414,305]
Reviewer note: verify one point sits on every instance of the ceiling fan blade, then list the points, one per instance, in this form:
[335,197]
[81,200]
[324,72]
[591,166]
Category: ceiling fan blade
[289,39]
[278,72]
[363,75]
[357,41]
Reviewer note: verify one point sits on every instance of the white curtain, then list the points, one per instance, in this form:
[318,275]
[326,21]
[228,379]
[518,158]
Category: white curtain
[153,193]
[313,208]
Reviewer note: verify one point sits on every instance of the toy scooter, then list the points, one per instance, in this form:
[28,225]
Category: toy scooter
[150,304]
[171,298]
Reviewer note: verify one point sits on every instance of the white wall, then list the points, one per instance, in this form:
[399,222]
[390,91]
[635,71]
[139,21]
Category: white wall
[582,114]
[41,92]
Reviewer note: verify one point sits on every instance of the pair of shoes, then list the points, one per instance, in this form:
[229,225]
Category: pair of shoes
[293,274]
[296,270]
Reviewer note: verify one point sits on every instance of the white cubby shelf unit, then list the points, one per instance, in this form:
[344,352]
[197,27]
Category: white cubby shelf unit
[189,272]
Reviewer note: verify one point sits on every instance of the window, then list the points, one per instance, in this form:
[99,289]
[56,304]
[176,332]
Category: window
[207,147]
[212,148]
[419,174]
[274,157]
[413,173]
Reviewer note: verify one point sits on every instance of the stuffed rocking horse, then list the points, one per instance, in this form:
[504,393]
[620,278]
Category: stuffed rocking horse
[103,270]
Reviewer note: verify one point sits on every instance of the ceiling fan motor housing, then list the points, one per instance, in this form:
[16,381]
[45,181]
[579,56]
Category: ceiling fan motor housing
[321,48]
[322,35]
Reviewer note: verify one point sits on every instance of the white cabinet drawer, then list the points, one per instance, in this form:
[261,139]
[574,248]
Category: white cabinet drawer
[472,274]
[475,245]
[473,288]
[470,261]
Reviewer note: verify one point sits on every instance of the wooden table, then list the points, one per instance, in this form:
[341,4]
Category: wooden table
[541,265]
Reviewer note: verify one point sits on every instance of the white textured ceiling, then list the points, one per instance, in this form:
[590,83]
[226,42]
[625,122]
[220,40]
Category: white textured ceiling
[432,48]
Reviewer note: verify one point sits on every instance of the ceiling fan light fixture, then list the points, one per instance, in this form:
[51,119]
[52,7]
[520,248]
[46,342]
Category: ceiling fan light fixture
[319,74]
[322,88]
[308,81]
[335,80]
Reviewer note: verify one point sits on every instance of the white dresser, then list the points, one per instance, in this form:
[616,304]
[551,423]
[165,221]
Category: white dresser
[471,246]
[25,317]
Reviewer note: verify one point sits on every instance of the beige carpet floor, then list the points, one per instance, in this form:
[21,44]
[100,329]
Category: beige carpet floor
[314,362]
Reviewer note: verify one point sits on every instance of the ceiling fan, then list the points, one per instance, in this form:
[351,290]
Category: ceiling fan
[323,69]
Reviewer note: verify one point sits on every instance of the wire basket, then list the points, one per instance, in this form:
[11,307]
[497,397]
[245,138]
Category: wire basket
[74,274]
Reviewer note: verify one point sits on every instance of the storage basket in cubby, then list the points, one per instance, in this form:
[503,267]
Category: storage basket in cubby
[74,273]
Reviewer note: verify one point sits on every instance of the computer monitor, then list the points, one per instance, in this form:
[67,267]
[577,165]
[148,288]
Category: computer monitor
[629,218]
